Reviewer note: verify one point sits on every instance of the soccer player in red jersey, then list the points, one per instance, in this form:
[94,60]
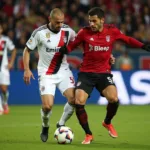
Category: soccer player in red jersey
[95,71]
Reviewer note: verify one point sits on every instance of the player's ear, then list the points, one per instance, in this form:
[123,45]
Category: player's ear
[102,20]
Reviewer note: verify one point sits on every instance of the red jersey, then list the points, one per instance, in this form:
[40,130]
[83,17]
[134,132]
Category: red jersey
[98,47]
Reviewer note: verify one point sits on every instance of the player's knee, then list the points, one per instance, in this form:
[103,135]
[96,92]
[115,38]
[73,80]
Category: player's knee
[47,107]
[3,89]
[112,98]
[71,99]
[80,101]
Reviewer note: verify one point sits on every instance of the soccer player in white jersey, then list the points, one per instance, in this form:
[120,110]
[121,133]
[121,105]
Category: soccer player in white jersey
[53,69]
[5,65]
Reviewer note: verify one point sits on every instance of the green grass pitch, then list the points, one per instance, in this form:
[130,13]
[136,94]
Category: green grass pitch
[21,128]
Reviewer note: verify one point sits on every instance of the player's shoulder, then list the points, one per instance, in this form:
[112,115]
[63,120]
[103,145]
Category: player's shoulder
[110,26]
[85,29]
[6,38]
[41,28]
[65,26]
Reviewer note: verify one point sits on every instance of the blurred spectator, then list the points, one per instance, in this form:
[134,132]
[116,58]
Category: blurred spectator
[124,62]
[20,17]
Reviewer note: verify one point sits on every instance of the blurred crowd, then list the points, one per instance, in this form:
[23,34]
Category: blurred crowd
[20,17]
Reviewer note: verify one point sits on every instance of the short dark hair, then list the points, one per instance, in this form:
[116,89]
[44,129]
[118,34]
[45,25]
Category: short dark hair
[96,11]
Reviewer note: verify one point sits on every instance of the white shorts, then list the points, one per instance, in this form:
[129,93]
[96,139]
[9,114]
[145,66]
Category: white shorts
[4,79]
[63,80]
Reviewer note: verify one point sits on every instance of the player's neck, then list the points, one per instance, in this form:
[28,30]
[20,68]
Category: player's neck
[50,28]
[101,29]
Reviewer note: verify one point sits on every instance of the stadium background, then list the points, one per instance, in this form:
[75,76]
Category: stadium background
[21,128]
[20,17]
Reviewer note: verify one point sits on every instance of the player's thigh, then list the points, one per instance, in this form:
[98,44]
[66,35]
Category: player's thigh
[84,88]
[67,84]
[47,88]
[70,95]
[4,79]
[105,80]
[47,85]
[4,88]
[110,92]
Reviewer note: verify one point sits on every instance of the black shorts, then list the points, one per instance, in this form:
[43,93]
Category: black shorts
[87,81]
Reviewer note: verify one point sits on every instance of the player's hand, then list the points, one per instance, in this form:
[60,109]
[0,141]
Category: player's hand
[9,66]
[112,59]
[63,50]
[27,76]
[146,47]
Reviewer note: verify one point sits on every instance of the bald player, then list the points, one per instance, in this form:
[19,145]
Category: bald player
[53,69]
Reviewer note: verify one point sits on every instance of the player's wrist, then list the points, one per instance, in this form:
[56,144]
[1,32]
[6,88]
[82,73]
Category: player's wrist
[26,69]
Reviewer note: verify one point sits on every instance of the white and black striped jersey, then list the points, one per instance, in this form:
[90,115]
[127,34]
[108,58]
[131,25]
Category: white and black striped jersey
[5,45]
[48,44]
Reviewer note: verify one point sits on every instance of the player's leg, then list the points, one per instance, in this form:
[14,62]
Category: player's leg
[66,86]
[68,108]
[1,107]
[83,89]
[47,91]
[4,96]
[109,91]
[4,83]
[47,103]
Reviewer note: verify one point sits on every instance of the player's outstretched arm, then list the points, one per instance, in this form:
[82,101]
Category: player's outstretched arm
[27,72]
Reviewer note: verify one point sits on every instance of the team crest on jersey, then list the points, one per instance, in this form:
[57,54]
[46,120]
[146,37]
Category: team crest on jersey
[65,39]
[30,41]
[42,88]
[79,83]
[47,35]
[108,38]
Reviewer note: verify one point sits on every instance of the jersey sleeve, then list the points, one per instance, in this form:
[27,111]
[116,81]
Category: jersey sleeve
[10,44]
[77,41]
[72,35]
[127,39]
[32,43]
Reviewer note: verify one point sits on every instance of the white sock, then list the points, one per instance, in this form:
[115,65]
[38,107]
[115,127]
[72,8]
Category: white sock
[45,118]
[5,97]
[1,106]
[68,111]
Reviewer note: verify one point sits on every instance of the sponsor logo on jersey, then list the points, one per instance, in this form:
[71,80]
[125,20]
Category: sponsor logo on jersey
[108,38]
[47,35]
[65,39]
[79,83]
[30,41]
[91,39]
[42,88]
[56,49]
[98,48]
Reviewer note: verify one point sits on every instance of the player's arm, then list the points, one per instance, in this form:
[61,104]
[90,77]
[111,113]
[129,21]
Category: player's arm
[131,41]
[73,44]
[30,45]
[11,47]
[27,72]
[12,58]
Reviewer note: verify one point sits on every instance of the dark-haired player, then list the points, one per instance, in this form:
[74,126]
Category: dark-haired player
[95,71]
